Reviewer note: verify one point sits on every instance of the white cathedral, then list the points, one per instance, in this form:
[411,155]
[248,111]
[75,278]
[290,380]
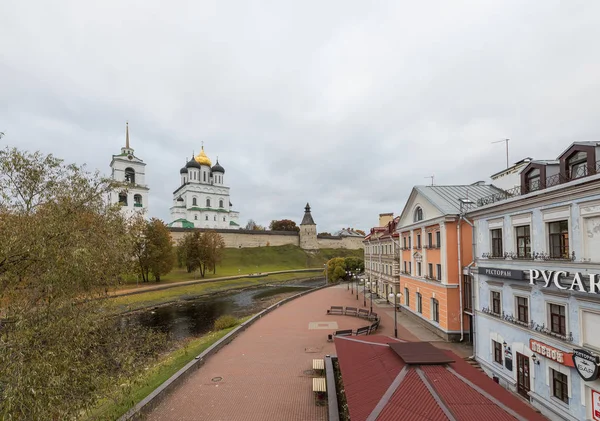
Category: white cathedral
[130,170]
[202,199]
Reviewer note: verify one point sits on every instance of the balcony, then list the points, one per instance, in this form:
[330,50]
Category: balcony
[538,257]
[533,326]
[137,205]
[553,180]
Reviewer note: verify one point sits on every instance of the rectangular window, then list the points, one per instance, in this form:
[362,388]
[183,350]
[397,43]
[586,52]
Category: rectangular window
[435,310]
[409,268]
[404,241]
[429,239]
[560,386]
[430,267]
[407,297]
[419,302]
[559,239]
[523,309]
[438,239]
[497,250]
[497,352]
[418,268]
[558,319]
[467,292]
[418,241]
[405,267]
[439,272]
[496,303]
[523,242]
[409,242]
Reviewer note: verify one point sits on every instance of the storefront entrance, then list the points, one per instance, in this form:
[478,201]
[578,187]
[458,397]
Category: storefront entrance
[523,375]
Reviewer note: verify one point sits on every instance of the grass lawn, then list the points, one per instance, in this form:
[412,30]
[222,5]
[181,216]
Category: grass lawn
[158,374]
[259,259]
[154,298]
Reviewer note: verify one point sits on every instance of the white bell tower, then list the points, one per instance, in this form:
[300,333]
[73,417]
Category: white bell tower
[131,171]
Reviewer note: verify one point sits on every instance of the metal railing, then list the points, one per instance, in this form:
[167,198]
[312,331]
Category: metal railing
[553,180]
[543,256]
[529,325]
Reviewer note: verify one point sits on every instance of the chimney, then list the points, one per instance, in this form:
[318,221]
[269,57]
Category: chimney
[384,218]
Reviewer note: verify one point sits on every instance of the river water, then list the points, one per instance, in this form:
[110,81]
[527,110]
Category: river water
[195,317]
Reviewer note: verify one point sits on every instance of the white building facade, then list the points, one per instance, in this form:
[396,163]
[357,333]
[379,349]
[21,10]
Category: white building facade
[202,200]
[130,170]
[536,285]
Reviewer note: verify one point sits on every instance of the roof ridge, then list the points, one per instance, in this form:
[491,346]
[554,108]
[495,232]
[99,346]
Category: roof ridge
[487,395]
[385,399]
[440,401]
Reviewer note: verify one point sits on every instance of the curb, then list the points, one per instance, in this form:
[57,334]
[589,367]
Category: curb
[157,395]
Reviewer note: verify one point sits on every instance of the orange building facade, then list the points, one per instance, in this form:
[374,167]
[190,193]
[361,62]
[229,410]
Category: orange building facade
[435,246]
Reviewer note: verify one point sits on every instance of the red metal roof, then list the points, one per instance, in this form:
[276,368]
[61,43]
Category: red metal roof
[420,353]
[423,392]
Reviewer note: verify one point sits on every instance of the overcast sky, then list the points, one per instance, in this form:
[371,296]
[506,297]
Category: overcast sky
[343,104]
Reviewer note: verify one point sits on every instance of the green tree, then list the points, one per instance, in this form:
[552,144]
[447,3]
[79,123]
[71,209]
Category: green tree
[336,269]
[354,264]
[153,247]
[61,248]
[283,225]
[201,251]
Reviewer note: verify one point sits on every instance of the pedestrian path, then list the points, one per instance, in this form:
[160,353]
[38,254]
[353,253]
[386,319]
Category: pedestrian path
[266,372]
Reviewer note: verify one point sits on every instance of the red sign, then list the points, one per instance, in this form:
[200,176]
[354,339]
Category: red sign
[554,354]
[596,405]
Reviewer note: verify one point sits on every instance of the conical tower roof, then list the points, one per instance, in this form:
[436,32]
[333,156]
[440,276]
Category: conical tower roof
[308,219]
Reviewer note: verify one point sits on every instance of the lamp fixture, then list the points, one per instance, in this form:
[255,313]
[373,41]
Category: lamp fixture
[535,359]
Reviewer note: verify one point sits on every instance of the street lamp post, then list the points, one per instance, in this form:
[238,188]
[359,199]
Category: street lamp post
[357,279]
[371,294]
[364,292]
[350,281]
[325,265]
[395,297]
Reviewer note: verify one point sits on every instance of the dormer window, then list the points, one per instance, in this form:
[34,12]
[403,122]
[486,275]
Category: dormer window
[418,214]
[533,180]
[577,165]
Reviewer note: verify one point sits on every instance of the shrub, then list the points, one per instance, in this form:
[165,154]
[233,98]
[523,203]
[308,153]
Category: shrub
[225,321]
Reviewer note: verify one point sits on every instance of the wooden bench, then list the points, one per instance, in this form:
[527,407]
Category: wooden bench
[373,316]
[345,332]
[363,330]
[336,310]
[319,365]
[363,312]
[374,327]
[320,390]
[351,311]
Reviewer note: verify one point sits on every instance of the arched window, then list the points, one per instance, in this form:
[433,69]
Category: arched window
[130,175]
[418,214]
[208,203]
[196,217]
[123,198]
[215,218]
[206,217]
[221,203]
[137,200]
[204,172]
[223,219]
[577,165]
[194,202]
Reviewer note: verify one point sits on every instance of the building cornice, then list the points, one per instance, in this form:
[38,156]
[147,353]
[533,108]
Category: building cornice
[426,223]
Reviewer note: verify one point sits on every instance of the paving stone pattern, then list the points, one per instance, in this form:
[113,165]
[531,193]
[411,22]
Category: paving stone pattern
[265,370]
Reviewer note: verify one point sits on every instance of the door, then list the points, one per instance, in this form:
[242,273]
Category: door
[387,297]
[523,375]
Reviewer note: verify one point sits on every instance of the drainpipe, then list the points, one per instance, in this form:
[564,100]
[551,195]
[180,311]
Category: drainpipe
[473,287]
[460,300]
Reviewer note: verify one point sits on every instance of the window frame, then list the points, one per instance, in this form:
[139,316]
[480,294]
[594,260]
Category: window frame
[493,301]
[438,239]
[497,246]
[418,241]
[419,303]
[563,249]
[526,240]
[525,308]
[550,318]
[430,270]
[435,310]
[406,297]
[429,240]
[419,269]
[418,215]
[530,179]
[438,268]
[574,163]
[558,378]
[497,352]
[468,292]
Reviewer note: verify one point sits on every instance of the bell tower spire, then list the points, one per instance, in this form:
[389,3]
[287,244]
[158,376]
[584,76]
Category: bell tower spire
[127,134]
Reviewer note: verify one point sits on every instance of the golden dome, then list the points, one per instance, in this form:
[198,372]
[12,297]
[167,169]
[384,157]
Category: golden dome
[202,159]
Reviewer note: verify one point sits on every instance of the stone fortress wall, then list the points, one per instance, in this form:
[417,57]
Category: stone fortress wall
[306,238]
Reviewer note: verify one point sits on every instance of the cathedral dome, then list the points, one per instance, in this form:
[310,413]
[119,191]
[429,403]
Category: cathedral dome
[202,159]
[218,168]
[192,164]
[183,170]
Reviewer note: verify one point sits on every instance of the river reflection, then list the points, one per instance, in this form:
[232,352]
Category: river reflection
[196,317]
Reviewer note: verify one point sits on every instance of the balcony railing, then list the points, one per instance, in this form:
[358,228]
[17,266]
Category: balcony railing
[553,180]
[533,326]
[543,256]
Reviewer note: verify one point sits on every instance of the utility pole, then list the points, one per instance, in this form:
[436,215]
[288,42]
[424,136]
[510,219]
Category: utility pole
[506,141]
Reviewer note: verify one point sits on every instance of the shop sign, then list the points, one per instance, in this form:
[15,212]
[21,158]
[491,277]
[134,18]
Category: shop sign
[596,405]
[586,364]
[556,277]
[561,357]
[502,273]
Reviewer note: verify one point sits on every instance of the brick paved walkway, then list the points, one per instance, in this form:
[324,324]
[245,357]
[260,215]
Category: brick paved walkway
[264,370]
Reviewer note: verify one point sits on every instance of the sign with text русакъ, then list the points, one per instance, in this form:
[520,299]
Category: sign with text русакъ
[586,364]
[557,277]
[502,273]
